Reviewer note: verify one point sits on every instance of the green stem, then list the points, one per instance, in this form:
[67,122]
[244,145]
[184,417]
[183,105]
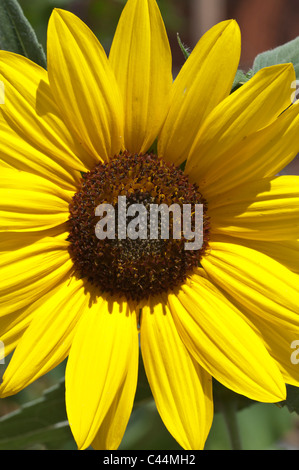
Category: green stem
[230,416]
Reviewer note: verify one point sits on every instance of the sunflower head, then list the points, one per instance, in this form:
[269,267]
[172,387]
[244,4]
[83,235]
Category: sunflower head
[142,264]
[76,138]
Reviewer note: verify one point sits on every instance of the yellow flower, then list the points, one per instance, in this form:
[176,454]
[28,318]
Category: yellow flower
[81,133]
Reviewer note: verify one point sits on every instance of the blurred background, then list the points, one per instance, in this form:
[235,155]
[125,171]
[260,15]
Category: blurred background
[264,25]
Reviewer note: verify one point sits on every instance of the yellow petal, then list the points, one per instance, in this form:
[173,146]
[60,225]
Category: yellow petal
[204,80]
[141,59]
[112,429]
[29,272]
[281,342]
[16,152]
[256,281]
[31,112]
[221,341]
[84,85]
[19,240]
[261,154]
[283,347]
[105,342]
[47,340]
[285,252]
[267,209]
[250,108]
[12,327]
[30,202]
[181,388]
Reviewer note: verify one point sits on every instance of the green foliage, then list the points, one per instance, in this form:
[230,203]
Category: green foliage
[292,400]
[241,78]
[223,396]
[185,50]
[41,422]
[288,52]
[262,426]
[16,33]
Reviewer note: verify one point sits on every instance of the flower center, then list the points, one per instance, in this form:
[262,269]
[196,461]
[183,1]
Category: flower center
[137,226]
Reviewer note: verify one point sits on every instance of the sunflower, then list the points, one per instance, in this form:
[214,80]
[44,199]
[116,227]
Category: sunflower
[92,128]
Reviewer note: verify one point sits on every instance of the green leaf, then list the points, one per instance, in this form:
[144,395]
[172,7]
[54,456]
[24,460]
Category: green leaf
[39,422]
[223,396]
[262,427]
[240,79]
[43,422]
[185,50]
[292,400]
[288,52]
[17,35]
